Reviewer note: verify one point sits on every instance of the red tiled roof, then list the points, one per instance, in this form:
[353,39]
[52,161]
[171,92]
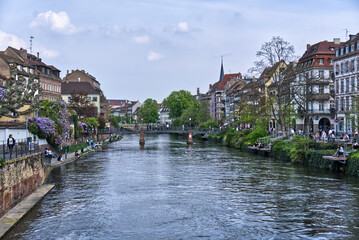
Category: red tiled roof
[219,86]
[323,47]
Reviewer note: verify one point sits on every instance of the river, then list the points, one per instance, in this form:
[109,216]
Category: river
[171,191]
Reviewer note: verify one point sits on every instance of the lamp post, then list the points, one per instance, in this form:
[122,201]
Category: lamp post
[190,124]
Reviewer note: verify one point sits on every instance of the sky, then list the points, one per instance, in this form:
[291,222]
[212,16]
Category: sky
[139,49]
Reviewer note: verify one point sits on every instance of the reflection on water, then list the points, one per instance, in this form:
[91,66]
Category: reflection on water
[171,190]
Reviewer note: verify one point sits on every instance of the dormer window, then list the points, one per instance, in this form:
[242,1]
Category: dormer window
[337,53]
[321,61]
[331,49]
[19,67]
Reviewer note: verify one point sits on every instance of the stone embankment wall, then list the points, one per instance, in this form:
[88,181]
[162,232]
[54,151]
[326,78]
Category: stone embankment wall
[18,179]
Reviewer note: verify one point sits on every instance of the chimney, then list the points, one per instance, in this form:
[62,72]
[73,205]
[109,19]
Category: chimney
[68,71]
[308,46]
[198,91]
[38,55]
[336,40]
[210,86]
[72,71]
[351,37]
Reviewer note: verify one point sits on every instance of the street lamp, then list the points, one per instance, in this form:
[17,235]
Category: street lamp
[190,122]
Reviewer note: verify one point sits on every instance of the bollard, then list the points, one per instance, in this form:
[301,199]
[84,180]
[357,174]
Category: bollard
[142,138]
[190,137]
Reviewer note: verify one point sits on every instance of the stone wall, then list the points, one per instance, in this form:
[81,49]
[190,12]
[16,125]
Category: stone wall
[18,179]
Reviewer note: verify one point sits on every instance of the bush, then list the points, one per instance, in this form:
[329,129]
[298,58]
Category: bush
[209,123]
[257,133]
[2,162]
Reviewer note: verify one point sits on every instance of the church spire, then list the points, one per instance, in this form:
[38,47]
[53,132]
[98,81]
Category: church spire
[221,75]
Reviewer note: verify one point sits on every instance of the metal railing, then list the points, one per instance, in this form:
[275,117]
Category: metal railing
[22,147]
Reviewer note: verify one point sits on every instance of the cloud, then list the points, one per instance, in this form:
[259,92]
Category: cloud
[7,39]
[47,53]
[182,27]
[153,56]
[56,22]
[141,39]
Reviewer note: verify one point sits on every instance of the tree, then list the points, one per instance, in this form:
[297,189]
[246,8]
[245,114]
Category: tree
[92,123]
[18,93]
[178,101]
[149,111]
[83,107]
[114,121]
[271,53]
[197,112]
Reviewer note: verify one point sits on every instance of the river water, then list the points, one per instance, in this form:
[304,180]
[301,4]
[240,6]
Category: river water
[171,191]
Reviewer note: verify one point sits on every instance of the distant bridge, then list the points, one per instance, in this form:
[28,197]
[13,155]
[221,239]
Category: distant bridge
[181,131]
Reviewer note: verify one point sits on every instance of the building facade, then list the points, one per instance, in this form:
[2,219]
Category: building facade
[346,69]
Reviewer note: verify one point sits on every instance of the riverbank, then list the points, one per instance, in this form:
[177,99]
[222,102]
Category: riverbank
[15,214]
[298,149]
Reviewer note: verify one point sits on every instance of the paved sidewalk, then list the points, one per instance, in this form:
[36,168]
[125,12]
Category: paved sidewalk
[8,221]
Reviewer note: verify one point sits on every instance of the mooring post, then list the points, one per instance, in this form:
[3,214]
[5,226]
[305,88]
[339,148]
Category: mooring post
[190,137]
[142,137]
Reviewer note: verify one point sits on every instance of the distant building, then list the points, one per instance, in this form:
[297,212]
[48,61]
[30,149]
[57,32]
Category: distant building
[82,76]
[215,94]
[93,95]
[164,115]
[346,68]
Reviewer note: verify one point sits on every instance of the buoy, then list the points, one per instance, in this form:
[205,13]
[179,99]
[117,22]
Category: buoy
[142,138]
[190,137]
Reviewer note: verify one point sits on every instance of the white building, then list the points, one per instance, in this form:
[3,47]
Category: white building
[346,68]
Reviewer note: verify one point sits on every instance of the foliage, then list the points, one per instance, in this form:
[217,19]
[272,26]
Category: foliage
[149,111]
[83,107]
[301,146]
[197,112]
[101,122]
[74,148]
[177,122]
[52,115]
[75,119]
[17,93]
[114,121]
[177,102]
[209,124]
[2,162]
[257,133]
[92,123]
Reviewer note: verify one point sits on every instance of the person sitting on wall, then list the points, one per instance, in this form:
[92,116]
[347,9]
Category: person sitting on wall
[346,138]
[340,151]
[261,145]
[77,154]
[355,145]
[255,144]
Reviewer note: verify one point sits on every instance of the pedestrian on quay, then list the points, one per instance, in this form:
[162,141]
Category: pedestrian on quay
[10,144]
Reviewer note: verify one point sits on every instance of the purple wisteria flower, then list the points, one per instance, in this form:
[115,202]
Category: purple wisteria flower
[45,125]
[2,93]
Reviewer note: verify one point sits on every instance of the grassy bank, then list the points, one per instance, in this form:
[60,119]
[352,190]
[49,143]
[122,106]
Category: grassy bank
[298,150]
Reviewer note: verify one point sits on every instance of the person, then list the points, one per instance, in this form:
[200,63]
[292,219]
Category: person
[340,151]
[77,154]
[11,143]
[261,145]
[346,137]
[255,144]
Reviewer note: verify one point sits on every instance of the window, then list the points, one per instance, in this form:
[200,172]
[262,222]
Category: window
[337,70]
[321,89]
[337,53]
[352,66]
[353,84]
[321,105]
[341,68]
[88,99]
[321,61]
[19,67]
[347,103]
[94,99]
[321,74]
[342,104]
[70,99]
[337,86]
[347,67]
[330,60]
[342,85]
[337,103]
[347,85]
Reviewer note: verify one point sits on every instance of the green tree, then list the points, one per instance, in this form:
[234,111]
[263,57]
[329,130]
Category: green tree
[149,111]
[114,121]
[177,102]
[91,122]
[197,112]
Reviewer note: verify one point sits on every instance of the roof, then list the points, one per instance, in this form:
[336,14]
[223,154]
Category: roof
[2,77]
[323,47]
[220,85]
[77,87]
[165,109]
